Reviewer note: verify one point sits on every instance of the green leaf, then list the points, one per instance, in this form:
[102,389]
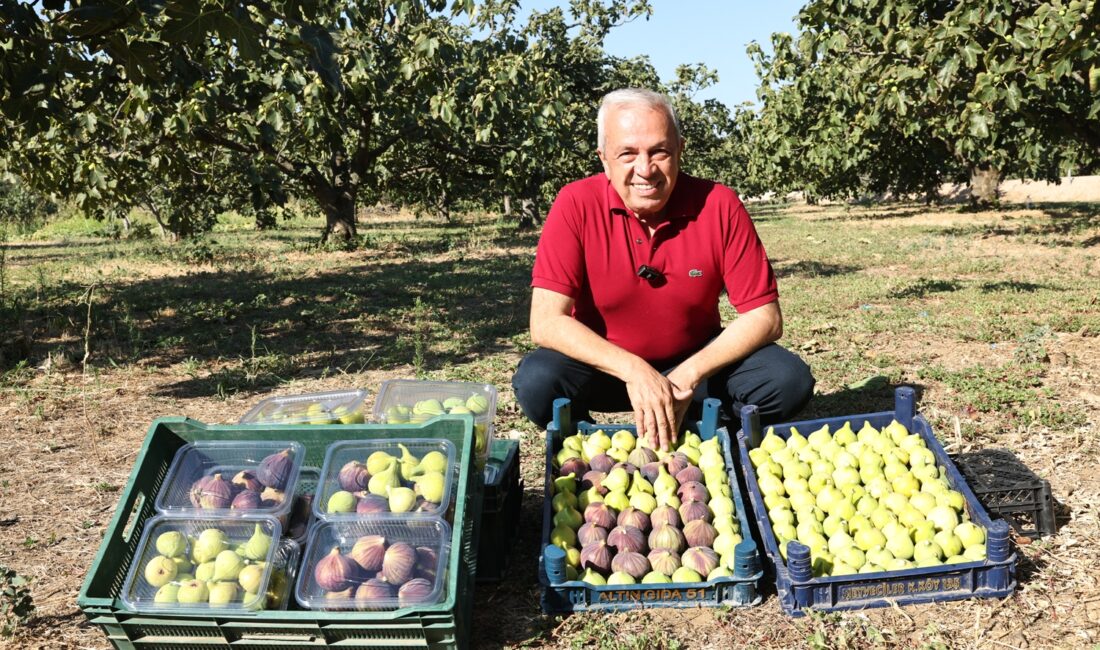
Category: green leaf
[979,127]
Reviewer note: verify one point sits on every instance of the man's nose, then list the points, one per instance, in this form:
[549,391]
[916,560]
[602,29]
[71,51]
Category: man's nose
[643,164]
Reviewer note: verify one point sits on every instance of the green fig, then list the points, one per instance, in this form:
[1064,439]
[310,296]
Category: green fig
[251,578]
[205,571]
[478,404]
[257,546]
[171,544]
[192,591]
[160,571]
[210,543]
[223,593]
[227,566]
[381,481]
[408,463]
[433,461]
[377,462]
[341,501]
[167,593]
[664,483]
[402,499]
[430,486]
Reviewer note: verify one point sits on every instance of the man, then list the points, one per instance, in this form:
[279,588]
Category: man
[628,273]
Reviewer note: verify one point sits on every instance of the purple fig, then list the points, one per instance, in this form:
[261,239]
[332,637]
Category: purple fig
[574,466]
[246,500]
[600,514]
[274,471]
[676,463]
[641,455]
[700,559]
[651,471]
[335,572]
[346,594]
[399,563]
[353,476]
[630,562]
[593,479]
[634,517]
[246,480]
[417,590]
[689,474]
[197,490]
[692,510]
[368,552]
[371,504]
[590,534]
[596,556]
[699,533]
[664,561]
[667,537]
[665,515]
[217,493]
[626,539]
[373,590]
[601,463]
[629,468]
[427,562]
[272,497]
[693,491]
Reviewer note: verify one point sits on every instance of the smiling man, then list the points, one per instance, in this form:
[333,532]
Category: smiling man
[628,274]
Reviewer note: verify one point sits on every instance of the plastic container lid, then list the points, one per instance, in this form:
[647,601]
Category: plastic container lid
[332,407]
[181,558]
[211,478]
[423,471]
[400,562]
[404,401]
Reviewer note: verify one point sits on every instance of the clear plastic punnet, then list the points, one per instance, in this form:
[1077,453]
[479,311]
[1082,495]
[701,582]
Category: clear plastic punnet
[402,401]
[203,565]
[331,407]
[228,478]
[400,476]
[378,563]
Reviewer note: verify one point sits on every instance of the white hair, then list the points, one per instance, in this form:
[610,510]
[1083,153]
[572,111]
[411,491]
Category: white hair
[634,97]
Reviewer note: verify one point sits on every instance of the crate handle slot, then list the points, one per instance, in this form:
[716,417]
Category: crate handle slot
[563,417]
[750,425]
[904,398]
[132,518]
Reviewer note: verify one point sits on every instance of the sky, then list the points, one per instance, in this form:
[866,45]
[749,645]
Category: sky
[713,32]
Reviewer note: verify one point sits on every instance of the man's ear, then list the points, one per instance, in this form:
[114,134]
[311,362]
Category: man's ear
[603,161]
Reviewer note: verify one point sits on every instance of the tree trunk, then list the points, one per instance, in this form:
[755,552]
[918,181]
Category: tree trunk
[984,180]
[339,207]
[507,206]
[529,214]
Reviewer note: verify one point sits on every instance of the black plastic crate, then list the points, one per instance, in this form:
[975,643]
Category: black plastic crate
[503,499]
[1010,490]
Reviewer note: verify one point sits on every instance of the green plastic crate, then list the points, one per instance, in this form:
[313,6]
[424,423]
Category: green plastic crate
[443,625]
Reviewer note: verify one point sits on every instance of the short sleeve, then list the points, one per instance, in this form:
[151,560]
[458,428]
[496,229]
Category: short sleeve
[559,258]
[749,278]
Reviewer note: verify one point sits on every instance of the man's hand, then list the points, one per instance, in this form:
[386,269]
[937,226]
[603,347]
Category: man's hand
[659,405]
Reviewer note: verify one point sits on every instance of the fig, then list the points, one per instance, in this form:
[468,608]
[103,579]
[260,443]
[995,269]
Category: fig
[626,539]
[634,564]
[590,534]
[574,466]
[341,501]
[383,479]
[601,463]
[699,533]
[193,591]
[377,462]
[600,514]
[216,493]
[593,479]
[209,543]
[651,471]
[417,590]
[160,571]
[272,497]
[171,544]
[676,463]
[251,577]
[627,467]
[353,476]
[246,480]
[274,471]
[640,456]
[620,578]
[335,572]
[686,574]
[227,566]
[693,491]
[368,552]
[258,545]
[427,562]
[692,510]
[667,537]
[664,560]
[700,559]
[401,499]
[430,485]
[689,474]
[597,557]
[665,515]
[634,517]
[344,594]
[197,489]
[371,504]
[246,500]
[478,404]
[399,563]
[373,590]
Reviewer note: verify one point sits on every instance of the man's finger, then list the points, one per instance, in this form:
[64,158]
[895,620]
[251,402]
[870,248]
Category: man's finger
[673,423]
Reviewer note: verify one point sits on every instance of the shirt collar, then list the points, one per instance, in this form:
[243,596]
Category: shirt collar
[679,205]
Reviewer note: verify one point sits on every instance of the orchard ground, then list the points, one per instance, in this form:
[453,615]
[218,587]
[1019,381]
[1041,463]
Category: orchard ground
[994,316]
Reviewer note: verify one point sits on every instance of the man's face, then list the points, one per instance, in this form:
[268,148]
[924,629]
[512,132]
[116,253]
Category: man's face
[641,156]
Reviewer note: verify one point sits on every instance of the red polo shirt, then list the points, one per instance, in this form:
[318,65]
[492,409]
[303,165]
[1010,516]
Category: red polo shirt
[591,248]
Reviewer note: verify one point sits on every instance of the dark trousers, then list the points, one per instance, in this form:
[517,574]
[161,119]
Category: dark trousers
[776,380]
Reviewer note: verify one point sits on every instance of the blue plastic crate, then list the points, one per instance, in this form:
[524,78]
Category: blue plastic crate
[798,590]
[560,596]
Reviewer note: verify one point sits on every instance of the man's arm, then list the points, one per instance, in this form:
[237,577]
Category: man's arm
[653,396]
[744,335]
